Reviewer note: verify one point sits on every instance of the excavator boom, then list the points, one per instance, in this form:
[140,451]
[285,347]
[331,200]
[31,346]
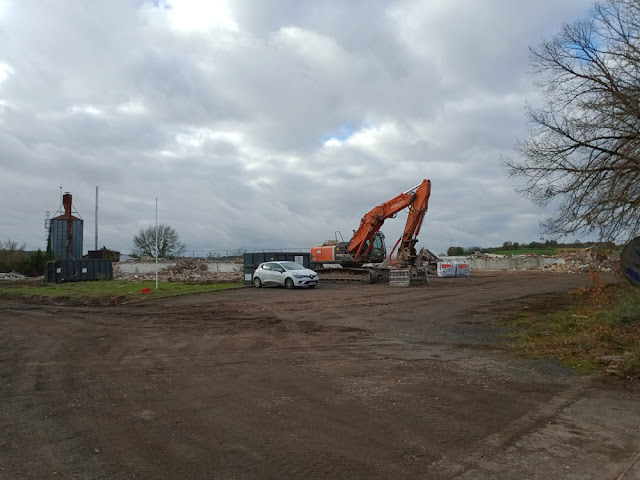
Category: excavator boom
[417,210]
[416,199]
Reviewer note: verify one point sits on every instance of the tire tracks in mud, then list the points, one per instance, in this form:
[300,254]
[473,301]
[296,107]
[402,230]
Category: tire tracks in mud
[493,446]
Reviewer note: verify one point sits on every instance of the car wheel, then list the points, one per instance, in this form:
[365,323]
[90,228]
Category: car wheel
[288,283]
[257,282]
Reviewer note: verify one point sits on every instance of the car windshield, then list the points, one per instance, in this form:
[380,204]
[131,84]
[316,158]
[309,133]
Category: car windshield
[292,266]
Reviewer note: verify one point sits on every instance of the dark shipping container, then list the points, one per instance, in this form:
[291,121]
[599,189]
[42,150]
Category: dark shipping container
[63,271]
[252,260]
[104,254]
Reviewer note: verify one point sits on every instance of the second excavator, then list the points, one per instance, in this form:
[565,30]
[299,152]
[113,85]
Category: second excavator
[364,257]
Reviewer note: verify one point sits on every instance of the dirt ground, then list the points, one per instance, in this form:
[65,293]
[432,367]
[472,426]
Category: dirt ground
[340,382]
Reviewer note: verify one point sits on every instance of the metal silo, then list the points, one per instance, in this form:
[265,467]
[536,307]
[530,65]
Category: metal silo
[65,233]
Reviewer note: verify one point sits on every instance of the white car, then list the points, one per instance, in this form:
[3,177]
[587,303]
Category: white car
[289,274]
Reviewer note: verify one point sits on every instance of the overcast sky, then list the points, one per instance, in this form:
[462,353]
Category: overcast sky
[261,124]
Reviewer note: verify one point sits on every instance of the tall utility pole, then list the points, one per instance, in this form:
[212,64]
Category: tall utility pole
[96,245]
[156,243]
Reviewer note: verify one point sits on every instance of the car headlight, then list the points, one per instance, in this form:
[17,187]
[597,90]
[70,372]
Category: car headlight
[297,275]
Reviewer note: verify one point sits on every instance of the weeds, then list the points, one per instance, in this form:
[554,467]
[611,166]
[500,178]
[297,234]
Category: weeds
[596,328]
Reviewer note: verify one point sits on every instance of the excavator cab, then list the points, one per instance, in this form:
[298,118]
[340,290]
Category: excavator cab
[332,252]
[378,252]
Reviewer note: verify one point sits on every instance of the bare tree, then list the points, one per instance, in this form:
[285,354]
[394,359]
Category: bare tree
[11,254]
[583,150]
[144,243]
[11,246]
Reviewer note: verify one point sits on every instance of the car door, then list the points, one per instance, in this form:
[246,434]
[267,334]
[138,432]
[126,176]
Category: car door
[266,274]
[277,273]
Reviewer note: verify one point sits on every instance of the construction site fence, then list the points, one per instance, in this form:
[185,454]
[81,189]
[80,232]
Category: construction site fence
[213,254]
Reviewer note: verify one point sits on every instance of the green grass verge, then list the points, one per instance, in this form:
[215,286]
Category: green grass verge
[107,291]
[594,329]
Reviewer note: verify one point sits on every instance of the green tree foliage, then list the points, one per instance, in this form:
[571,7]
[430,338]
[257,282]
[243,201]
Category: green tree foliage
[14,258]
[169,246]
[33,265]
[455,251]
[583,150]
[11,255]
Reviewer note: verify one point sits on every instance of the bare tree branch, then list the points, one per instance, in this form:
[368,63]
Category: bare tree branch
[583,149]
[144,243]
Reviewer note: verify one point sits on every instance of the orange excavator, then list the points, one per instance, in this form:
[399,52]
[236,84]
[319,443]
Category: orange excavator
[355,260]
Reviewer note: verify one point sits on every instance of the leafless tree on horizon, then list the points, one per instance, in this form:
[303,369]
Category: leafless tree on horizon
[144,243]
[583,150]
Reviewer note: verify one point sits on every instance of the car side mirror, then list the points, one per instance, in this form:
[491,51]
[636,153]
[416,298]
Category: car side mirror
[282,270]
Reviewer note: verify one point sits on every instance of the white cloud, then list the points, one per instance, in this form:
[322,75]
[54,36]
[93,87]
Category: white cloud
[132,107]
[88,109]
[311,46]
[5,70]
[267,124]
[190,15]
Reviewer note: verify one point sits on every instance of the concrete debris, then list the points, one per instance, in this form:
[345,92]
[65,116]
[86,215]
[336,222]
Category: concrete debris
[202,270]
[186,267]
[185,270]
[428,259]
[487,255]
[12,276]
[582,261]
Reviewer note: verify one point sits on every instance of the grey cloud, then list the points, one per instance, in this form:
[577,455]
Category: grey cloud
[227,127]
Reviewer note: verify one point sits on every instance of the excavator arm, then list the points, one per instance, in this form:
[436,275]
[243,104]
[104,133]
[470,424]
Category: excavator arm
[416,198]
[417,210]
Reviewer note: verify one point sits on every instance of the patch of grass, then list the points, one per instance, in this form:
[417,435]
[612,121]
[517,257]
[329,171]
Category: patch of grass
[591,329]
[105,291]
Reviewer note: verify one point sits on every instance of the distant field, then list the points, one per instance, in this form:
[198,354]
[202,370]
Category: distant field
[522,251]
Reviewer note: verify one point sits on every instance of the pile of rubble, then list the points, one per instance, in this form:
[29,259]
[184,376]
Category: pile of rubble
[428,259]
[487,255]
[185,270]
[12,276]
[188,270]
[582,261]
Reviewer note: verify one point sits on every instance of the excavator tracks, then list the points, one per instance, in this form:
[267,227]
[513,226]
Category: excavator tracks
[352,275]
